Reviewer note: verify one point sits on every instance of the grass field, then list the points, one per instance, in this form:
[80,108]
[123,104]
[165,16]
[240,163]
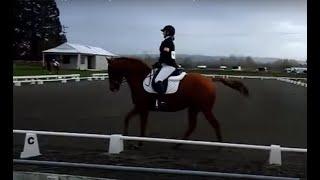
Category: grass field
[33,69]
[25,70]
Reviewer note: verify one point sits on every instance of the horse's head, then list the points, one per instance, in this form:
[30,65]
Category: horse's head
[116,75]
[125,68]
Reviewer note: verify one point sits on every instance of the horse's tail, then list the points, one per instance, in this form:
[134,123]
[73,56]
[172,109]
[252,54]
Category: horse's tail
[234,84]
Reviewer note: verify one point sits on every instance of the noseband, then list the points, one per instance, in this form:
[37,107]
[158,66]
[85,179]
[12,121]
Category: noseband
[118,82]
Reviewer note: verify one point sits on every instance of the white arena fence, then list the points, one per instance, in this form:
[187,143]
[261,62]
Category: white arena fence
[296,81]
[17,80]
[39,79]
[116,143]
[26,175]
[101,76]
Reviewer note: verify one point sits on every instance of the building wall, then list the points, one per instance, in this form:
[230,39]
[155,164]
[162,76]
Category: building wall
[83,64]
[101,63]
[72,64]
[93,61]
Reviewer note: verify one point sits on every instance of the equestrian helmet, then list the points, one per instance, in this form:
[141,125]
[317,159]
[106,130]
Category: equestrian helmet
[170,29]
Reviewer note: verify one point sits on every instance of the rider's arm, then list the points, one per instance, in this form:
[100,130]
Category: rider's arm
[166,53]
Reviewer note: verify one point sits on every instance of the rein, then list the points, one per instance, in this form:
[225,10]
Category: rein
[149,76]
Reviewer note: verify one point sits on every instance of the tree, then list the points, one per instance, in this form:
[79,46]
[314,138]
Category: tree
[248,63]
[36,28]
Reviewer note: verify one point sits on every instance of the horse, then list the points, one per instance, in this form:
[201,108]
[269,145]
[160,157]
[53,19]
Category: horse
[196,92]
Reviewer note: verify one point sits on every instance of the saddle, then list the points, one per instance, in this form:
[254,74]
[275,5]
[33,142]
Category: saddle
[171,83]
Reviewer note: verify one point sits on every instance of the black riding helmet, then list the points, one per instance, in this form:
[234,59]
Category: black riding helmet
[170,29]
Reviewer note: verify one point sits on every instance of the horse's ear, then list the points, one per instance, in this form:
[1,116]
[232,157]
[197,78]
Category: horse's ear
[108,60]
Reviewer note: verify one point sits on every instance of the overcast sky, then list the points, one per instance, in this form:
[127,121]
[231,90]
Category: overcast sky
[259,28]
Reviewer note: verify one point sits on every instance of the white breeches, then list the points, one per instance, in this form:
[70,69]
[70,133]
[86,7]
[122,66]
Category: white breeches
[164,72]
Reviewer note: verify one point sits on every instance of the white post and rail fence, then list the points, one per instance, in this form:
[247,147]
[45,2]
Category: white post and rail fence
[40,79]
[116,143]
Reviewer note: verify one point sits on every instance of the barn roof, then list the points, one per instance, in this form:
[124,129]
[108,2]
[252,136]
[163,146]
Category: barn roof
[79,49]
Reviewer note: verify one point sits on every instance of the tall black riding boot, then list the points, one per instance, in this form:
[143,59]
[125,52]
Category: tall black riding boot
[160,87]
[161,91]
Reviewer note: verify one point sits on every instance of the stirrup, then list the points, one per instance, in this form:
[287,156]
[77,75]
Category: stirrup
[157,105]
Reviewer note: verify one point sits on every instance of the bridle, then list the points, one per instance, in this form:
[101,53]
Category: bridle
[118,83]
[123,80]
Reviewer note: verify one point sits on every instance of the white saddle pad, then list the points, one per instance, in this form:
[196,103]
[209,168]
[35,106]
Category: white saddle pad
[173,83]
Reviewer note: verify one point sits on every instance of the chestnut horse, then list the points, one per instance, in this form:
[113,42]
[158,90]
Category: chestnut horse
[196,92]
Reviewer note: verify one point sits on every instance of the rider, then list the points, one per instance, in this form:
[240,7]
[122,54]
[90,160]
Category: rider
[166,63]
[56,65]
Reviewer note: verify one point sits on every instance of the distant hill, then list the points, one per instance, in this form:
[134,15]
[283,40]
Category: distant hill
[264,59]
[203,59]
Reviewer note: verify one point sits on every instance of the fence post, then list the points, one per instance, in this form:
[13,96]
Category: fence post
[17,83]
[31,146]
[63,81]
[115,144]
[275,155]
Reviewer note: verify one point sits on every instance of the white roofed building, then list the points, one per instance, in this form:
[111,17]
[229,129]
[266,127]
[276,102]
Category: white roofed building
[76,56]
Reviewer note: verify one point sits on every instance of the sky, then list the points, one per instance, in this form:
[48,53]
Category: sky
[257,28]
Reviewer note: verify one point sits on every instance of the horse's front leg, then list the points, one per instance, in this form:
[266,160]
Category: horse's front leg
[130,114]
[144,119]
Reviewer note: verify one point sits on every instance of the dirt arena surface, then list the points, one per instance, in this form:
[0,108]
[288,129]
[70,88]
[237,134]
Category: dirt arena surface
[275,113]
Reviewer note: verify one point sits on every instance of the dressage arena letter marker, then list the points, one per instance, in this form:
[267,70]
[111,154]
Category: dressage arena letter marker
[115,144]
[31,146]
[275,155]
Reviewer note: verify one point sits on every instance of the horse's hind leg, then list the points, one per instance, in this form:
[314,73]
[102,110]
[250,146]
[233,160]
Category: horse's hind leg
[127,119]
[143,125]
[214,123]
[192,115]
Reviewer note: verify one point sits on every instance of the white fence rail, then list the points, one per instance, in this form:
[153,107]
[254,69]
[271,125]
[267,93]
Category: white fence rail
[252,77]
[45,77]
[293,82]
[296,81]
[135,169]
[224,76]
[116,143]
[17,80]
[99,75]
[40,79]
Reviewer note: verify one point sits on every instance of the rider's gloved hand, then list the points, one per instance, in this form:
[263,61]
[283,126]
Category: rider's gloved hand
[156,65]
